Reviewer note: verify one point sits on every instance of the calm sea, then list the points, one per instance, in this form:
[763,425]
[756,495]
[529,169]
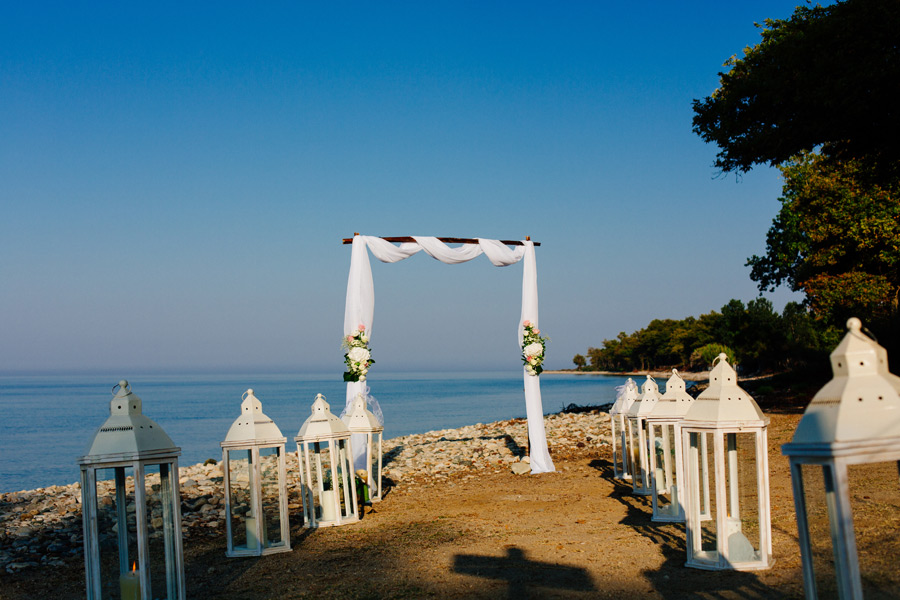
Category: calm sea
[49,420]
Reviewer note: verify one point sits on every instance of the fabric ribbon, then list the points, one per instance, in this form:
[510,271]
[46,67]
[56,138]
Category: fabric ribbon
[360,308]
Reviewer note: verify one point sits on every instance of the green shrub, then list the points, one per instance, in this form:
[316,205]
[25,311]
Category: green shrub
[704,356]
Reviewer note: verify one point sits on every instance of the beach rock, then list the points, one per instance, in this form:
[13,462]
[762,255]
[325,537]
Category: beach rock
[38,528]
[520,468]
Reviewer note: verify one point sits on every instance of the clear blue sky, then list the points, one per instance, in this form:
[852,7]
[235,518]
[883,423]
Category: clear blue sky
[175,178]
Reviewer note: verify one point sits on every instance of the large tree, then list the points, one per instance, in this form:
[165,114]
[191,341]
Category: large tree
[827,77]
[837,238]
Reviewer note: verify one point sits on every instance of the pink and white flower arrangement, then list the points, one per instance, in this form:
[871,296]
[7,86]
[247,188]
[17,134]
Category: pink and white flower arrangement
[533,348]
[358,357]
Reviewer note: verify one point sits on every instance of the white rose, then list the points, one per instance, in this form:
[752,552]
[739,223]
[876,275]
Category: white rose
[354,333]
[364,339]
[534,349]
[358,354]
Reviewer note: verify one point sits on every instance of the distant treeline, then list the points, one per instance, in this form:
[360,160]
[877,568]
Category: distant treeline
[754,336]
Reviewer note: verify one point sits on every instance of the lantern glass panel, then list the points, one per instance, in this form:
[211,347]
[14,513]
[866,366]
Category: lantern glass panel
[742,497]
[160,527]
[623,442]
[816,499]
[117,542]
[698,461]
[243,533]
[614,439]
[271,498]
[374,466]
[323,481]
[638,472]
[666,485]
[875,502]
[344,471]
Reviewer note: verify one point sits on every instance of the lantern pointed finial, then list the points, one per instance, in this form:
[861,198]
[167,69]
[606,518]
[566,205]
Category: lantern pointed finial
[724,400]
[360,418]
[675,401]
[253,424]
[322,423]
[128,430]
[647,402]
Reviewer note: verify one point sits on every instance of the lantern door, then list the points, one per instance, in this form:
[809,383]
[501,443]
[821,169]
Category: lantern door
[637,452]
[328,482]
[371,491]
[666,468]
[843,510]
[256,501]
[240,480]
[738,534]
[627,463]
[133,531]
[274,528]
[615,442]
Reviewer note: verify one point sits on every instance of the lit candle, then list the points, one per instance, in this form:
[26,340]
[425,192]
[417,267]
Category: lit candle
[130,584]
[252,540]
[327,500]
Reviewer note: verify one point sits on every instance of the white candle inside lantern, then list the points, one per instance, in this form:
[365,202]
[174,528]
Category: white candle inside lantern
[130,584]
[252,540]
[327,501]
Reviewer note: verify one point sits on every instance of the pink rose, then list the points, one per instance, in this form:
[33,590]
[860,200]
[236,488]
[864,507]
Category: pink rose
[362,327]
[537,332]
[526,323]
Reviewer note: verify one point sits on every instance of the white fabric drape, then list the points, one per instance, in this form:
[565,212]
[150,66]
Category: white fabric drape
[534,409]
[360,308]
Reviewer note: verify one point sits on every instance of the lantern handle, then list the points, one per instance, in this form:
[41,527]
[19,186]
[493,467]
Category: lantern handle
[869,333]
[122,385]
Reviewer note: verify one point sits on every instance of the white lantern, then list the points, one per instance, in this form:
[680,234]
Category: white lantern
[625,398]
[666,459]
[255,489]
[725,424]
[367,431]
[854,420]
[131,506]
[637,436]
[328,485]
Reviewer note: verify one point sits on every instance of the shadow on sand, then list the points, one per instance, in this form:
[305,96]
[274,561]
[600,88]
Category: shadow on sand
[524,578]
[672,579]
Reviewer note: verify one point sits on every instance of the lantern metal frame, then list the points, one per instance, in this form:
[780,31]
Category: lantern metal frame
[130,440]
[723,412]
[668,478]
[366,430]
[637,437]
[620,459]
[253,432]
[323,432]
[852,420]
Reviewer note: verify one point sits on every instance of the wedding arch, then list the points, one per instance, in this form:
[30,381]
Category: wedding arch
[360,305]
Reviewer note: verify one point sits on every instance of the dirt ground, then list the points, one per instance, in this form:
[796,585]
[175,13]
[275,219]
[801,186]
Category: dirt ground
[577,533]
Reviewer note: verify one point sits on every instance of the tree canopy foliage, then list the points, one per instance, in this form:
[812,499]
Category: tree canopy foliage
[827,77]
[837,239]
[755,335]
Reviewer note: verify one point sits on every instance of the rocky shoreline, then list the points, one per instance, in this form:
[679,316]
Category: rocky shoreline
[660,376]
[43,527]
